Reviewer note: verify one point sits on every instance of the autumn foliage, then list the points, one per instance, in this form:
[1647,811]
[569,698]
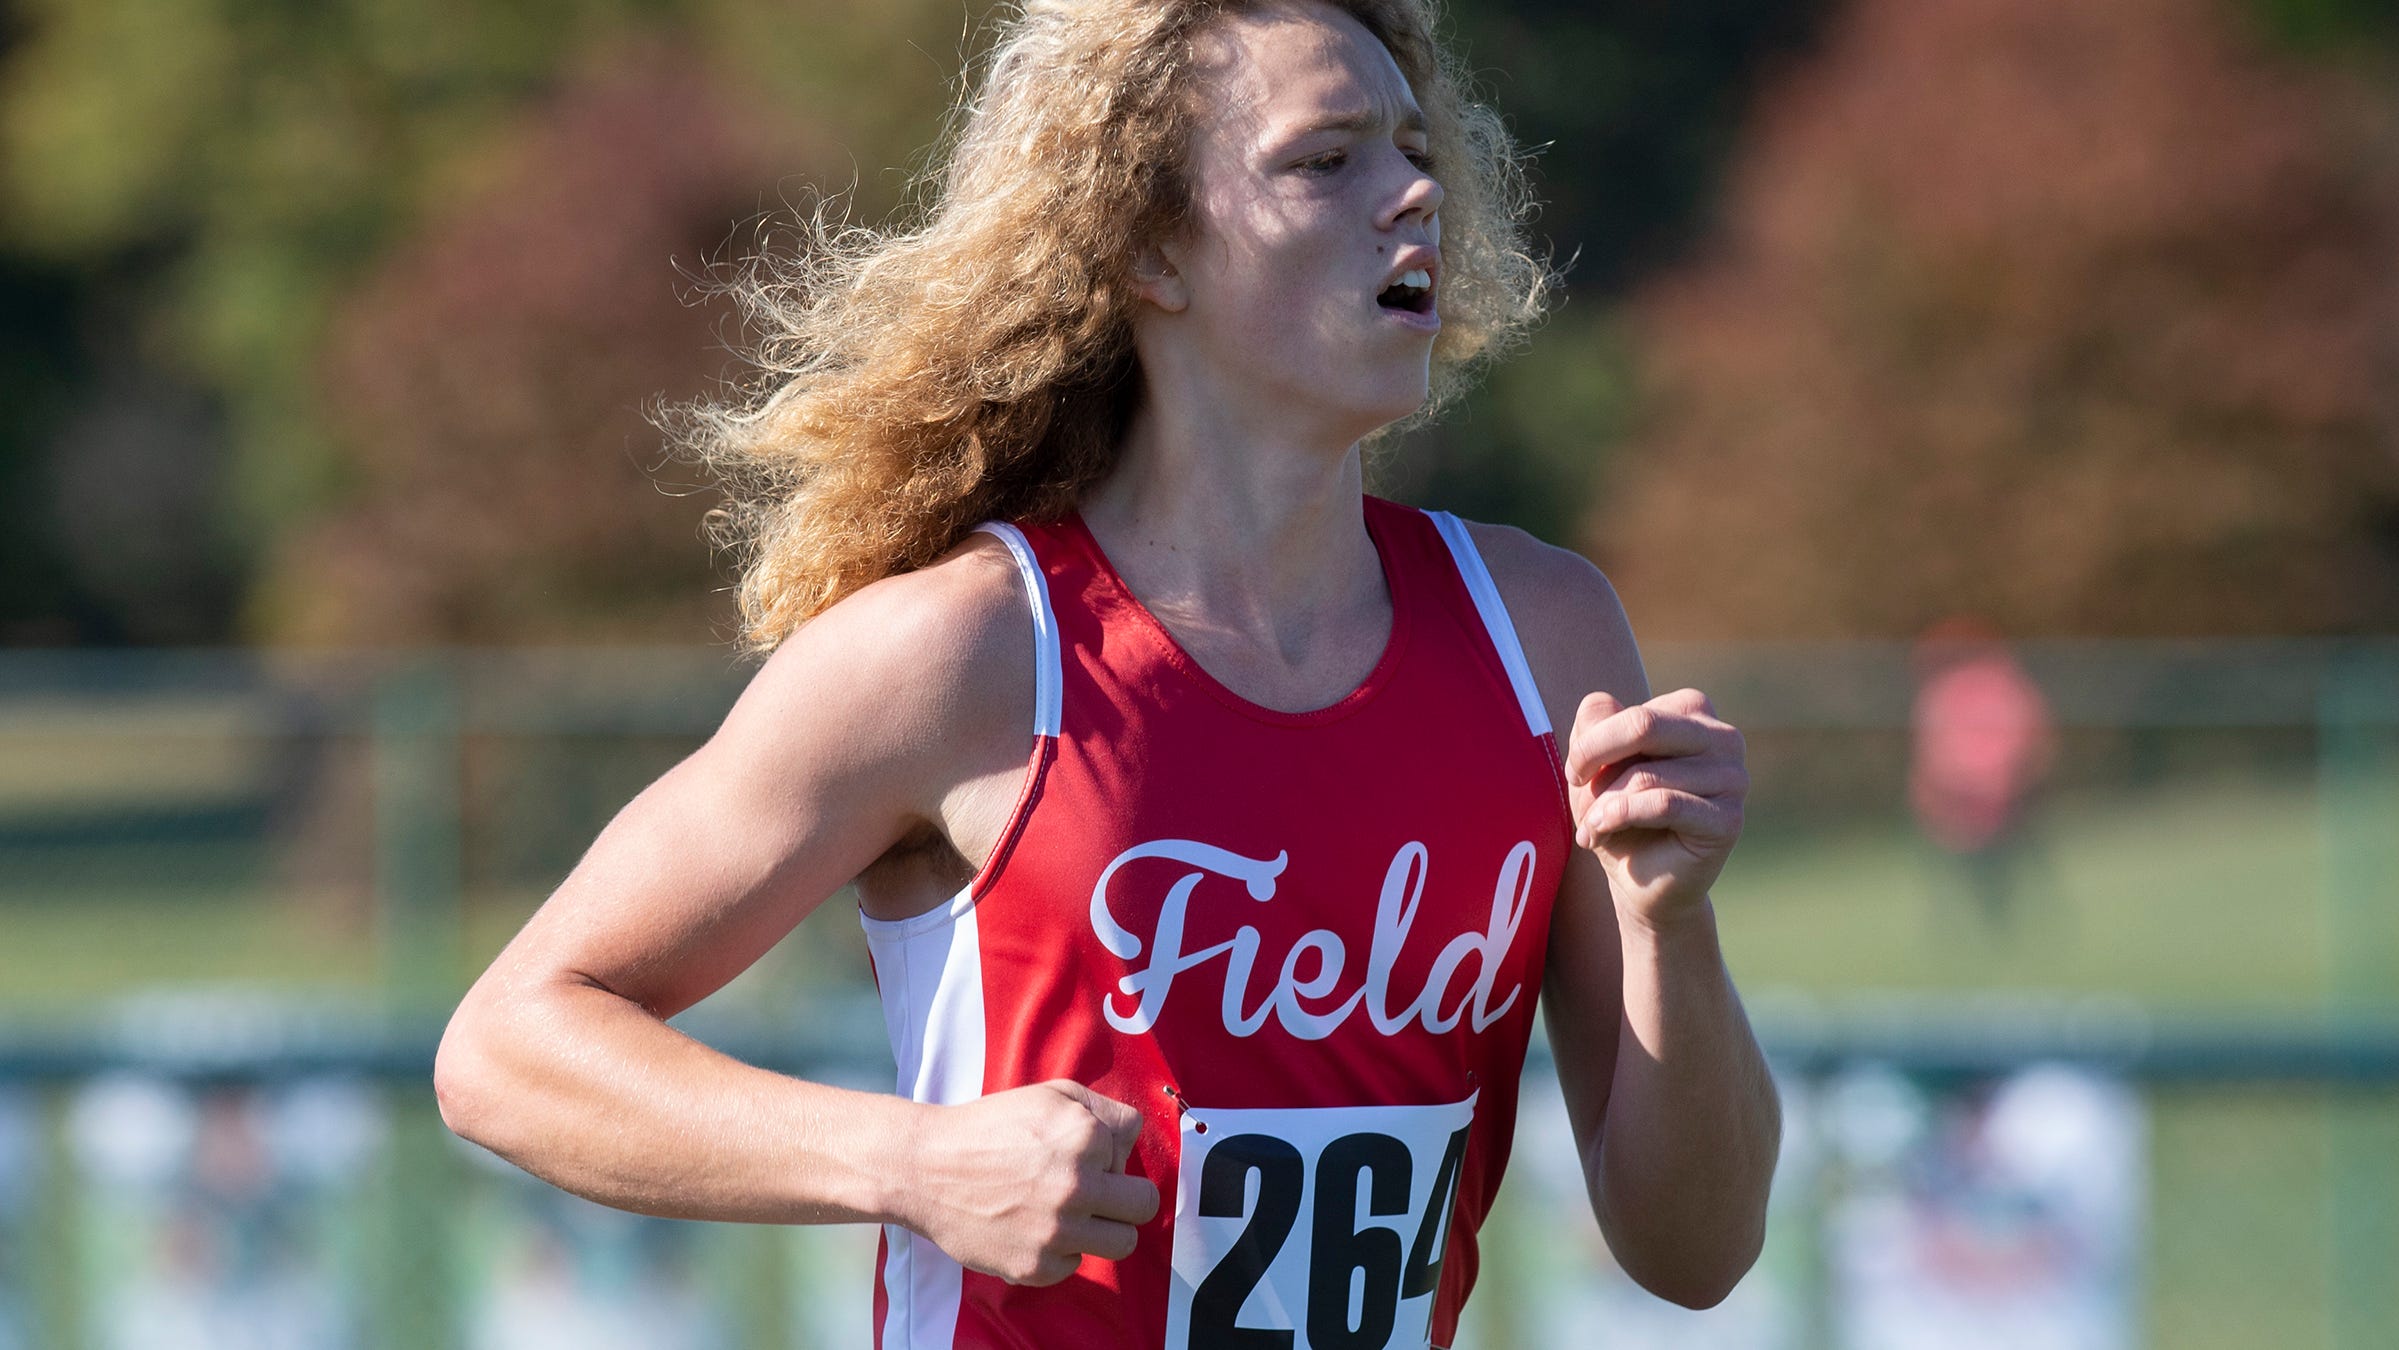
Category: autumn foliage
[491,382]
[2084,317]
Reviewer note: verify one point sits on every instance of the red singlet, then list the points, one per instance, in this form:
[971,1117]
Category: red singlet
[1305,946]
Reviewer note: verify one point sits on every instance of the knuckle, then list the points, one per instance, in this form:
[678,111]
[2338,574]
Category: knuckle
[1048,1122]
[1060,1186]
[1077,1135]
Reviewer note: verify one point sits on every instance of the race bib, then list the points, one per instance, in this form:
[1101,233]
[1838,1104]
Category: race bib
[1314,1228]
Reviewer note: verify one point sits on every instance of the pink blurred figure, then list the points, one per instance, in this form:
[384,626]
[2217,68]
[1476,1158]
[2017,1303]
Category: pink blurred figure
[1984,740]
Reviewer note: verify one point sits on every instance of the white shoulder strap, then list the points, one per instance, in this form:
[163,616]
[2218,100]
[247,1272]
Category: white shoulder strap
[1495,617]
[1046,679]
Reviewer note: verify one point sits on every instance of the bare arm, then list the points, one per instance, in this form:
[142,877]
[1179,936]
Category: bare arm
[1674,1112]
[1678,1123]
[855,733]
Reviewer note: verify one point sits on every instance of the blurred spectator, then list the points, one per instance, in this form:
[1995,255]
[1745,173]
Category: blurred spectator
[214,1226]
[1983,743]
[580,1276]
[2004,1213]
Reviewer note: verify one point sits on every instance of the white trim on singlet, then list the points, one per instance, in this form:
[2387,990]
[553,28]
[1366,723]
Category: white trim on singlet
[1046,680]
[1046,719]
[932,989]
[929,973]
[1495,617]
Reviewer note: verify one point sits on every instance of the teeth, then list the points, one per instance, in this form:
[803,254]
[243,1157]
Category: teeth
[1418,277]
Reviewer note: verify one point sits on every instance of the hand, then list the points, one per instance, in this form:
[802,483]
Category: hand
[1657,792]
[1021,1184]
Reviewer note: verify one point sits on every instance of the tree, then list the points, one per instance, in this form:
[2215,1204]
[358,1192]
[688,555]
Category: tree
[489,383]
[2077,316]
[201,185]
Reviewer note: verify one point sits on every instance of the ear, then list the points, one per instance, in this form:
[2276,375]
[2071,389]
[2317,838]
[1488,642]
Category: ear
[1157,279]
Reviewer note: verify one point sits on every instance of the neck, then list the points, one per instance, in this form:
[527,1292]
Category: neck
[1241,541]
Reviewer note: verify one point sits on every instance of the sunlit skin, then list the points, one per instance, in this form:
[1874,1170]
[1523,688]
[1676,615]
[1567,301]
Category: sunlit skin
[1235,517]
[883,744]
[1311,179]
[1265,358]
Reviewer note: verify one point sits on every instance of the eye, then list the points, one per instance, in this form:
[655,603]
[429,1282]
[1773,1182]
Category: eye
[1324,163]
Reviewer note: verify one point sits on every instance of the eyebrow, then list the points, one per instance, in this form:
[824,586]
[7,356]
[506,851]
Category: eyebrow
[1411,120]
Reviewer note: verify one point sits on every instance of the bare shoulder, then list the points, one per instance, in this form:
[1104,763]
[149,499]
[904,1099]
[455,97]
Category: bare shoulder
[847,743]
[924,675]
[1567,616]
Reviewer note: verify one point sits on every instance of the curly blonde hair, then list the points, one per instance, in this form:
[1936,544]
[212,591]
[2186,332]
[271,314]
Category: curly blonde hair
[912,383]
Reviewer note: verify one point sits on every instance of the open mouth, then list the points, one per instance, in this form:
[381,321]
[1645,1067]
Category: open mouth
[1413,292]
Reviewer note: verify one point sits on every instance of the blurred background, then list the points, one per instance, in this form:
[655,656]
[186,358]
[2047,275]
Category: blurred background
[1994,404]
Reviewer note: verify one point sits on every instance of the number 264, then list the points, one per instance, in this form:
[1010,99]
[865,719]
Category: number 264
[1339,1249]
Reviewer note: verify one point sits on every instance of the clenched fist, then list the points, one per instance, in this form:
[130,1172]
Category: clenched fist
[1657,791]
[1022,1184]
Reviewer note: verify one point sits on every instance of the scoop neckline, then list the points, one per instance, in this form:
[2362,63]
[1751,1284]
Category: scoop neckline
[1183,661]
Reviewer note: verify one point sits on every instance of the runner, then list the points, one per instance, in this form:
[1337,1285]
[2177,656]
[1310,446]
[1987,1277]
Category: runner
[1210,818]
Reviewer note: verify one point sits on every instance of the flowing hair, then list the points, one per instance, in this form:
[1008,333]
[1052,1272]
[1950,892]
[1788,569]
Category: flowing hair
[911,383]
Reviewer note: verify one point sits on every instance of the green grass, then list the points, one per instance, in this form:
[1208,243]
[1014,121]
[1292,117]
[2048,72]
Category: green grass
[2205,898]
[2238,1250]
[64,950]
[2200,898]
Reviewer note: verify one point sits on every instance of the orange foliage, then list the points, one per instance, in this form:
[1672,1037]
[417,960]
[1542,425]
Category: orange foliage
[491,383]
[2084,317]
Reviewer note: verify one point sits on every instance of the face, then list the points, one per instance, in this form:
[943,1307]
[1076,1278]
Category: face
[1312,196]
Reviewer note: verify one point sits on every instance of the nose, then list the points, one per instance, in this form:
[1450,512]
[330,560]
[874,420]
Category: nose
[1419,197]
